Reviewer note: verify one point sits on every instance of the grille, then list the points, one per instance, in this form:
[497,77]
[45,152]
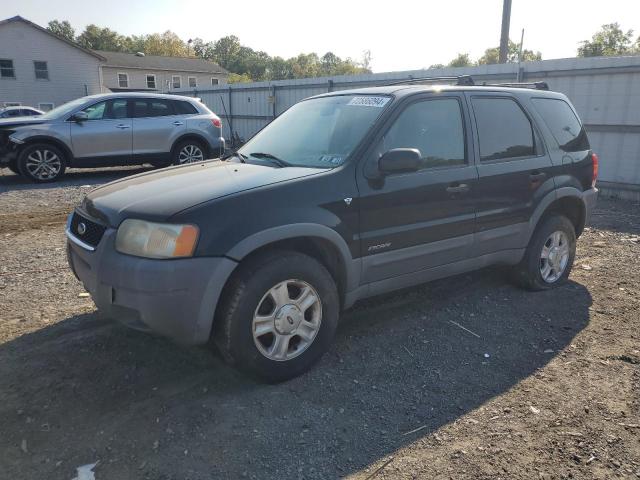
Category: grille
[92,231]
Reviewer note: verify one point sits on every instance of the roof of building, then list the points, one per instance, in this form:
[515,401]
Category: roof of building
[18,18]
[157,62]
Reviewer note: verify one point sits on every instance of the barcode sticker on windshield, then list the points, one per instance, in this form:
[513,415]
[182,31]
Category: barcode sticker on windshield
[369,101]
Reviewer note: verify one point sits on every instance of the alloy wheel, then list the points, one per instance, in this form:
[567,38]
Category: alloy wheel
[43,164]
[287,320]
[554,256]
[190,154]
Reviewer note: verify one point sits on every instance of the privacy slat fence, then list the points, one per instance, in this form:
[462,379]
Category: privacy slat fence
[604,90]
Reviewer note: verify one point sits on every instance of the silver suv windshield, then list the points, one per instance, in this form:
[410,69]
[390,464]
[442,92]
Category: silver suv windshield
[64,109]
[318,133]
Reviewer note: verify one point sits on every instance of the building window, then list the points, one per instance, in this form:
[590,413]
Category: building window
[151,81]
[214,81]
[46,106]
[123,80]
[6,69]
[193,82]
[176,81]
[42,72]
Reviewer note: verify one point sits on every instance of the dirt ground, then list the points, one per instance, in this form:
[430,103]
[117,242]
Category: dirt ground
[467,377]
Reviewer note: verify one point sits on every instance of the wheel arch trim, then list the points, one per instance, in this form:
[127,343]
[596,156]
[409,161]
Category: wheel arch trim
[298,230]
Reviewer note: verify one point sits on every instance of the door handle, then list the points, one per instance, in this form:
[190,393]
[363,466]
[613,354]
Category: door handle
[177,123]
[122,126]
[458,188]
[537,176]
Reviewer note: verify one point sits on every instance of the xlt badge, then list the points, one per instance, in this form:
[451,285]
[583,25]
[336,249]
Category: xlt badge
[382,246]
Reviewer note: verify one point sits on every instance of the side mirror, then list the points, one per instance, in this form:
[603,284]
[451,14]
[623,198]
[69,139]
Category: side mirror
[400,160]
[79,117]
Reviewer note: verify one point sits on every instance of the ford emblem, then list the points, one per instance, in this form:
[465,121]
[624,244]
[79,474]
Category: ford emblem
[82,228]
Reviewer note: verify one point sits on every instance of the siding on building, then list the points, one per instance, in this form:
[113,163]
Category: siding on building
[73,73]
[138,79]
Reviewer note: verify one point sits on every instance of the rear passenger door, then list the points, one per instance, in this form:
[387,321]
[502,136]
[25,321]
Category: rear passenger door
[514,171]
[418,220]
[155,127]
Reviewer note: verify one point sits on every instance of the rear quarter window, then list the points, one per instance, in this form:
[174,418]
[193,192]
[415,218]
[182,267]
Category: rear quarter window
[184,108]
[563,123]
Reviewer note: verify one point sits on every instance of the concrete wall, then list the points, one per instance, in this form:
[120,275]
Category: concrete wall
[138,79]
[605,91]
[72,72]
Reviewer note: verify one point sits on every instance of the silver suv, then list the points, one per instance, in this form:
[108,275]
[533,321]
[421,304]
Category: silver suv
[109,130]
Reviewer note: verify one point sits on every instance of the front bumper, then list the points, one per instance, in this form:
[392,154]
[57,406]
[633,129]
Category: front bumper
[174,298]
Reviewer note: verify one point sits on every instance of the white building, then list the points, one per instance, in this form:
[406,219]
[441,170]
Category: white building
[43,70]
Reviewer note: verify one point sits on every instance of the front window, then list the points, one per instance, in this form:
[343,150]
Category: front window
[45,107]
[214,82]
[151,81]
[193,82]
[123,80]
[319,133]
[6,69]
[176,81]
[65,109]
[42,72]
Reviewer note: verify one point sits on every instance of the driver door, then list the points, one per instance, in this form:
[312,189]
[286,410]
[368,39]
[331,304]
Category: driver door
[418,220]
[105,138]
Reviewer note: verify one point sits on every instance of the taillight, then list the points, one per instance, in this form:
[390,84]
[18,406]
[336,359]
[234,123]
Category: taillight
[594,176]
[216,122]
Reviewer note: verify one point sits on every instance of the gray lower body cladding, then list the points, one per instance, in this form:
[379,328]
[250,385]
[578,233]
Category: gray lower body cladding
[174,298]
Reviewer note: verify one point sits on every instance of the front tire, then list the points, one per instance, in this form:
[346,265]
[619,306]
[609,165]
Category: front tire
[278,316]
[41,163]
[549,256]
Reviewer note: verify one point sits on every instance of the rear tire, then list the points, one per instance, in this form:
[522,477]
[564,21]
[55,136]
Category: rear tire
[41,163]
[188,151]
[278,316]
[549,256]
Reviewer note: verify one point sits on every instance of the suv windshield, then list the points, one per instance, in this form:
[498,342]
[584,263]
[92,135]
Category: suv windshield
[318,133]
[64,109]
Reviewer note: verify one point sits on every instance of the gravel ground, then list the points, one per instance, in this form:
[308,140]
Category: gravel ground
[467,377]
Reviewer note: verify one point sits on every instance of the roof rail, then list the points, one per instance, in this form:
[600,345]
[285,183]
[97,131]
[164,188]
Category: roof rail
[462,80]
[534,85]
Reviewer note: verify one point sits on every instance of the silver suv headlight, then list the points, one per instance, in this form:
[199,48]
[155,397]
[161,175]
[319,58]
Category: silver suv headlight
[156,240]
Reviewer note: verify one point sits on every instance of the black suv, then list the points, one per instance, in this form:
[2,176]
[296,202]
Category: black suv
[344,196]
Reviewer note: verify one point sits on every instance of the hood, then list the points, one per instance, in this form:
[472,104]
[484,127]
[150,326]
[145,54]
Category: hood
[158,195]
[21,121]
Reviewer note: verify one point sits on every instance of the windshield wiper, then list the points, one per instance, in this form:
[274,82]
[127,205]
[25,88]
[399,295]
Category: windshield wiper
[241,157]
[279,162]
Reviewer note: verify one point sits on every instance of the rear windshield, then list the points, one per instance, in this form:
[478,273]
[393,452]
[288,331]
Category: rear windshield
[563,123]
[320,132]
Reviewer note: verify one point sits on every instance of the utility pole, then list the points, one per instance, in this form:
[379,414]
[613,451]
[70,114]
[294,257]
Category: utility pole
[504,34]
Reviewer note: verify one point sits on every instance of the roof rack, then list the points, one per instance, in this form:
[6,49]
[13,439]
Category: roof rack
[534,85]
[461,80]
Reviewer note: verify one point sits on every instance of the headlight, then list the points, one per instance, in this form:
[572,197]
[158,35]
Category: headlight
[156,240]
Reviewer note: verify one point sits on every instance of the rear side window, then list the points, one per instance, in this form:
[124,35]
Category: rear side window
[184,108]
[432,126]
[504,130]
[563,123]
[152,108]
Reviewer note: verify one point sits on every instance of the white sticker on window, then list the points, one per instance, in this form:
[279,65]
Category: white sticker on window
[369,101]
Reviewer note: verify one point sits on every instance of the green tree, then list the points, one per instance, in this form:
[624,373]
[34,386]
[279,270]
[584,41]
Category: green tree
[492,55]
[462,60]
[98,38]
[609,40]
[239,78]
[225,50]
[62,29]
[166,44]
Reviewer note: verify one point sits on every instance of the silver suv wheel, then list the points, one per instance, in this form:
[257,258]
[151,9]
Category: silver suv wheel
[287,320]
[190,153]
[43,164]
[554,256]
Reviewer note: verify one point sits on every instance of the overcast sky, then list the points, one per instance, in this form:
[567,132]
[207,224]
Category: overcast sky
[401,34]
